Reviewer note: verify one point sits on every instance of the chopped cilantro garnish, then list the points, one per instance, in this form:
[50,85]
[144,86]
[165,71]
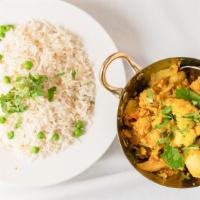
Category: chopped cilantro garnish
[73,74]
[24,87]
[10,135]
[6,79]
[1,57]
[166,140]
[51,93]
[167,116]
[195,117]
[187,94]
[193,147]
[163,124]
[195,103]
[60,74]
[166,110]
[19,122]
[173,157]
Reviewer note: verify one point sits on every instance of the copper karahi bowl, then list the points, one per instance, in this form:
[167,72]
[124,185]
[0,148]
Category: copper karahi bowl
[134,86]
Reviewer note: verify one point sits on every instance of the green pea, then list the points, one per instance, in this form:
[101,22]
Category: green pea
[79,125]
[2,120]
[35,149]
[78,132]
[55,137]
[28,64]
[41,135]
[10,135]
[6,79]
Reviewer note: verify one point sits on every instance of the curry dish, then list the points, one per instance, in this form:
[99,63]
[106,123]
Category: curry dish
[163,125]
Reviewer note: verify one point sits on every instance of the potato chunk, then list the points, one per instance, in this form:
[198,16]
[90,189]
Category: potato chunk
[195,85]
[192,162]
[184,138]
[152,165]
[180,107]
[185,133]
[131,107]
[151,139]
[142,125]
[197,129]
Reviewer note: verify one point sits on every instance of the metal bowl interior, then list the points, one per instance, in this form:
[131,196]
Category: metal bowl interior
[137,84]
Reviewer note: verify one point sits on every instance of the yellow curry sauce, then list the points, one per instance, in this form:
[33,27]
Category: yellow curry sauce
[163,125]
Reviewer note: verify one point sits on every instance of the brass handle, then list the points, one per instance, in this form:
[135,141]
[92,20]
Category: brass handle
[115,90]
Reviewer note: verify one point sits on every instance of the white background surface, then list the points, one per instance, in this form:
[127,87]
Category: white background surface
[148,30]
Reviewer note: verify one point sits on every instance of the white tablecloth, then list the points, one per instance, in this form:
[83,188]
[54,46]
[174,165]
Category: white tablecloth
[148,30]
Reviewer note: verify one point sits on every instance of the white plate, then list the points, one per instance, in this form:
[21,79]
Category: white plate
[81,155]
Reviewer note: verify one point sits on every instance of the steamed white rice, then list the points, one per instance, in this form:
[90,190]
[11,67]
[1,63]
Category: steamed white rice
[53,50]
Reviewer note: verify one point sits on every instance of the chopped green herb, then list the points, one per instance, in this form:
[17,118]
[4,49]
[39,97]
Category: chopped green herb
[19,122]
[195,103]
[166,110]
[163,124]
[1,57]
[37,79]
[187,94]
[51,93]
[184,131]
[28,64]
[2,120]
[10,135]
[195,117]
[41,135]
[2,35]
[166,140]
[35,149]
[55,137]
[19,78]
[6,79]
[60,74]
[163,140]
[9,27]
[25,87]
[192,147]
[150,96]
[73,74]
[172,157]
